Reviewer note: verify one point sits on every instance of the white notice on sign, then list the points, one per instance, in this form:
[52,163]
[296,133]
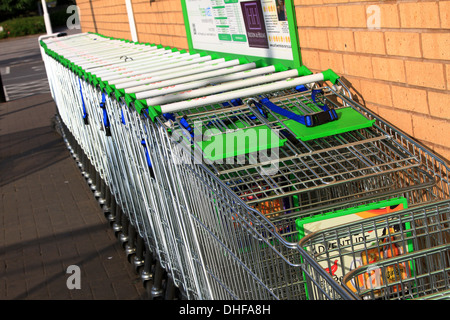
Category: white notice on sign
[252,28]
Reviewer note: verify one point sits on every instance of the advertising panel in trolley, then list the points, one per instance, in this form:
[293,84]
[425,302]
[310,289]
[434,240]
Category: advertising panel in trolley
[359,249]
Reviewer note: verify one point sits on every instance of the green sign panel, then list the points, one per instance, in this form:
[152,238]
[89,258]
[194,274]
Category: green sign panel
[255,29]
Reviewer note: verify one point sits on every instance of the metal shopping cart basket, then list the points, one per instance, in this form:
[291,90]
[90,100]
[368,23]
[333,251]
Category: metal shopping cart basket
[365,161]
[221,227]
[140,179]
[231,242]
[369,162]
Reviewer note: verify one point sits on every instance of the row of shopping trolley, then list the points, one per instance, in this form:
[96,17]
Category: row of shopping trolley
[230,179]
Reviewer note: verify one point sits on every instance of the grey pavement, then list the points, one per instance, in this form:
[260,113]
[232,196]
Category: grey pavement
[22,70]
[49,218]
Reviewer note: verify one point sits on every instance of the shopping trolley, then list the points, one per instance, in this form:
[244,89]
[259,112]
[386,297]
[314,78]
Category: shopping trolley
[94,126]
[175,262]
[121,166]
[216,262]
[362,159]
[223,224]
[362,163]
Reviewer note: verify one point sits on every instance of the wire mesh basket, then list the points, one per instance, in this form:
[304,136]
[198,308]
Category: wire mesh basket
[216,184]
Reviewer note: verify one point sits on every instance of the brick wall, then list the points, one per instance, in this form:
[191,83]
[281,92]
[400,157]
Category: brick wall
[400,70]
[105,17]
[160,21]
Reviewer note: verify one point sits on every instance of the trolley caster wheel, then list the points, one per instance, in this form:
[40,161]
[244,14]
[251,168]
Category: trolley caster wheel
[90,181]
[130,257]
[148,268]
[117,228]
[130,250]
[146,277]
[130,253]
[109,210]
[138,264]
[96,190]
[123,238]
[111,219]
[159,292]
[106,209]
[98,196]
[147,284]
[109,215]
[139,258]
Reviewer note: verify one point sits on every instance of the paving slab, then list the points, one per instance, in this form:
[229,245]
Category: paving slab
[49,218]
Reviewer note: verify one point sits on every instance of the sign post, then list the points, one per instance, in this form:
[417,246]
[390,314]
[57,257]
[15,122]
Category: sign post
[48,24]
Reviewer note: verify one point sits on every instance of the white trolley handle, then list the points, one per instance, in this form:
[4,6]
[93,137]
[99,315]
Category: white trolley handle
[327,75]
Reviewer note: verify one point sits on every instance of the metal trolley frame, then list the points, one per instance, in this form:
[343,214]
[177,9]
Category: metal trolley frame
[224,228]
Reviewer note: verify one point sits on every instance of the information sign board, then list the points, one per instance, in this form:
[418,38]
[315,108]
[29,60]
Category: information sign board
[255,29]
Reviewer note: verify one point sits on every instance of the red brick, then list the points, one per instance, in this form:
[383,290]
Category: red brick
[419,15]
[436,45]
[326,16]
[370,42]
[352,16]
[341,40]
[405,44]
[439,104]
[389,15]
[310,58]
[447,75]
[388,69]
[335,1]
[410,99]
[442,152]
[398,118]
[305,17]
[306,2]
[331,60]
[357,65]
[376,92]
[313,38]
[425,74]
[444,11]
[430,129]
